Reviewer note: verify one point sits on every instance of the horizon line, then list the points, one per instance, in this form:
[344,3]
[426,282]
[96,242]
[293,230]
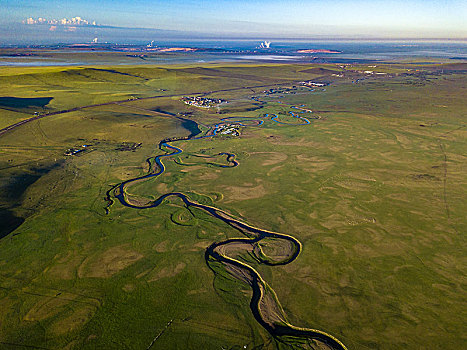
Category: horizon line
[196,35]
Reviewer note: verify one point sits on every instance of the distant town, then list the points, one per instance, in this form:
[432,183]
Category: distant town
[228,129]
[310,83]
[203,102]
[294,89]
[76,150]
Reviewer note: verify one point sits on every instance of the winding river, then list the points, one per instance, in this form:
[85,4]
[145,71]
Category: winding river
[266,247]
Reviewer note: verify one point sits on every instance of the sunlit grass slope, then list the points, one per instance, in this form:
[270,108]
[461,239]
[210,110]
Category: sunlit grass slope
[374,190]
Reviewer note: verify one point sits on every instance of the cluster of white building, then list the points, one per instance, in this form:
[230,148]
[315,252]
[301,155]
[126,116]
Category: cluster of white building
[229,129]
[202,102]
[312,83]
[371,72]
[76,21]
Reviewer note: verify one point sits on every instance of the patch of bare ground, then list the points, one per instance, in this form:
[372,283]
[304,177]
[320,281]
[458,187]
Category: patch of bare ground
[65,267]
[108,263]
[336,147]
[360,221]
[313,163]
[403,140]
[240,193]
[161,247]
[270,309]
[366,250]
[49,306]
[276,250]
[240,273]
[162,188]
[400,196]
[271,158]
[392,158]
[234,249]
[317,345]
[333,221]
[351,184]
[128,287]
[78,318]
[138,201]
[361,176]
[168,271]
[212,175]
[200,246]
[142,274]
[191,168]
[302,142]
[274,169]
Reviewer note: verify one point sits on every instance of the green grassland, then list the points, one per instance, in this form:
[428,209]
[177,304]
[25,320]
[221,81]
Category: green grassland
[374,190]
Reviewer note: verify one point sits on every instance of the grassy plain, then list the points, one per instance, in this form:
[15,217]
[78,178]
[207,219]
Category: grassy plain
[374,190]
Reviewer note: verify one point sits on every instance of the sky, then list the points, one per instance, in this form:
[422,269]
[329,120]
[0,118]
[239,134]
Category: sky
[246,18]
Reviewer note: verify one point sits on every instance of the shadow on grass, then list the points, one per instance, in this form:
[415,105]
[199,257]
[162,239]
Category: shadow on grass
[11,195]
[10,222]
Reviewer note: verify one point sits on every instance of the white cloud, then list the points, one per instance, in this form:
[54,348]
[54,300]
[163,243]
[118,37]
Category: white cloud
[75,21]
